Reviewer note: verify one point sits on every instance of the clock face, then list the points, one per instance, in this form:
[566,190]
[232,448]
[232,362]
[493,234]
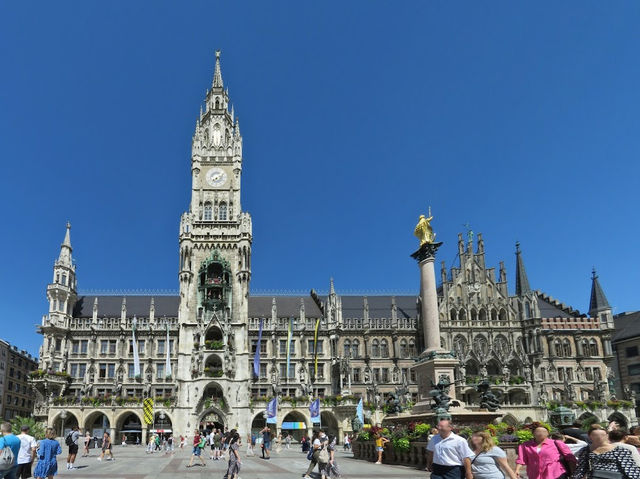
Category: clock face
[216,177]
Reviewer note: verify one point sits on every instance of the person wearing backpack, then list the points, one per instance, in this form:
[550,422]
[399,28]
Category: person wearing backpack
[9,450]
[198,444]
[71,440]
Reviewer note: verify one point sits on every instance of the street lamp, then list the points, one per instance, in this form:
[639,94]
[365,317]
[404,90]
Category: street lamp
[63,416]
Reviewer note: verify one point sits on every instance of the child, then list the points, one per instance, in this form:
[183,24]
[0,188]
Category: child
[380,443]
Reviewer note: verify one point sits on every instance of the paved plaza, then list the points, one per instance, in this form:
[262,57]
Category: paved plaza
[133,463]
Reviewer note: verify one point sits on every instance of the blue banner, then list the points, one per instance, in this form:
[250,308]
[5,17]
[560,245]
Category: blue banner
[256,356]
[314,410]
[360,412]
[272,411]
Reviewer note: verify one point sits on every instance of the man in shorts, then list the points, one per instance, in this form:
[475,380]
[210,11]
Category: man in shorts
[198,445]
[266,442]
[73,446]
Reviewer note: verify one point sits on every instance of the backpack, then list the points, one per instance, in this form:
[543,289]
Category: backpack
[69,439]
[6,458]
[203,442]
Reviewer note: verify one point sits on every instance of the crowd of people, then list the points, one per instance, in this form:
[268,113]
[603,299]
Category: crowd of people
[599,453]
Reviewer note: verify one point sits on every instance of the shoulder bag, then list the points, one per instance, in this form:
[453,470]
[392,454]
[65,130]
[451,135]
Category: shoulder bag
[602,474]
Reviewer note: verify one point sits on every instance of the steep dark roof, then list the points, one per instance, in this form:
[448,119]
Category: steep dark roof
[627,326]
[286,307]
[598,301]
[552,308]
[111,306]
[379,306]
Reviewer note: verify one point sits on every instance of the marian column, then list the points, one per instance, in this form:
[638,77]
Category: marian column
[435,368]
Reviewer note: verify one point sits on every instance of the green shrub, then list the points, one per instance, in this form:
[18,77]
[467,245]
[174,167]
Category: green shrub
[524,435]
[422,429]
[401,444]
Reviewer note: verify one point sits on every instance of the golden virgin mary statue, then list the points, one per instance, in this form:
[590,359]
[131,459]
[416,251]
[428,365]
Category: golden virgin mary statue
[423,230]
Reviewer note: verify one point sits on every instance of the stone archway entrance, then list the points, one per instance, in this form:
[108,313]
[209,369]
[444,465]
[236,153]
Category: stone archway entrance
[162,424]
[211,419]
[97,423]
[129,425]
[258,423]
[329,423]
[295,424]
[64,422]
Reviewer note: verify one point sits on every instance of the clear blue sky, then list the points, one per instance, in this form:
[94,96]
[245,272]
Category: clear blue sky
[521,120]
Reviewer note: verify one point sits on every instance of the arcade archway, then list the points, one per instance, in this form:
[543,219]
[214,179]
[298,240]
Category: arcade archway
[129,425]
[97,423]
[295,424]
[329,423]
[210,419]
[64,422]
[258,423]
[162,424]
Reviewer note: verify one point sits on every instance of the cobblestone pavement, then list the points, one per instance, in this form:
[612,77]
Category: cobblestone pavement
[133,463]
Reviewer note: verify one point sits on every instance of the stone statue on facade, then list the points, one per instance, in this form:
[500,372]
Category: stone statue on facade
[367,374]
[395,375]
[506,373]
[393,404]
[488,400]
[423,230]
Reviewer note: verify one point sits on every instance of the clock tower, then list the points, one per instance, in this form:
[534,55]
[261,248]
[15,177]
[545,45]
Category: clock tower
[215,269]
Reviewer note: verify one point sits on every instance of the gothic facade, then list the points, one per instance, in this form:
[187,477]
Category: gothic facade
[196,350]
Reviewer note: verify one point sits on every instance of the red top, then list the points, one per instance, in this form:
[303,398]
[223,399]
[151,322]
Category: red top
[196,439]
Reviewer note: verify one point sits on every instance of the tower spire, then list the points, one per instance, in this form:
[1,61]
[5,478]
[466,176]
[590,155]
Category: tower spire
[217,74]
[65,248]
[522,282]
[598,302]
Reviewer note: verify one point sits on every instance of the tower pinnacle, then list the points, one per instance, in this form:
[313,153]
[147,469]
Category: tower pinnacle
[217,74]
[598,301]
[65,249]
[522,282]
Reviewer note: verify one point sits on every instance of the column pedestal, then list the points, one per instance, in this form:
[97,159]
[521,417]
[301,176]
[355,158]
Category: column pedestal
[434,363]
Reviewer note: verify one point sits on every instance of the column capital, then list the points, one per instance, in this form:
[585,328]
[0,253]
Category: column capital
[426,252]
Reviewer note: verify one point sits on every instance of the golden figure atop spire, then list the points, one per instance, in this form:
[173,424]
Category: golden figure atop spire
[423,230]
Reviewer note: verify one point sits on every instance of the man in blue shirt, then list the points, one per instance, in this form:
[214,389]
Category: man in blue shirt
[12,441]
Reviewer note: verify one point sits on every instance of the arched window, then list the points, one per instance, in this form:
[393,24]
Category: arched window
[483,315]
[412,348]
[453,315]
[527,309]
[558,348]
[403,348]
[222,211]
[355,349]
[217,103]
[494,315]
[566,347]
[503,315]
[585,347]
[347,348]
[474,315]
[384,348]
[208,212]
[462,315]
[593,348]
[375,349]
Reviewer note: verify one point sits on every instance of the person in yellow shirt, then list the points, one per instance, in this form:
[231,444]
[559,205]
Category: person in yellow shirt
[380,443]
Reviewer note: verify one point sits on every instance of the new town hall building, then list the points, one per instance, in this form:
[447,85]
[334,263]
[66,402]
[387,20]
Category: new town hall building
[196,350]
